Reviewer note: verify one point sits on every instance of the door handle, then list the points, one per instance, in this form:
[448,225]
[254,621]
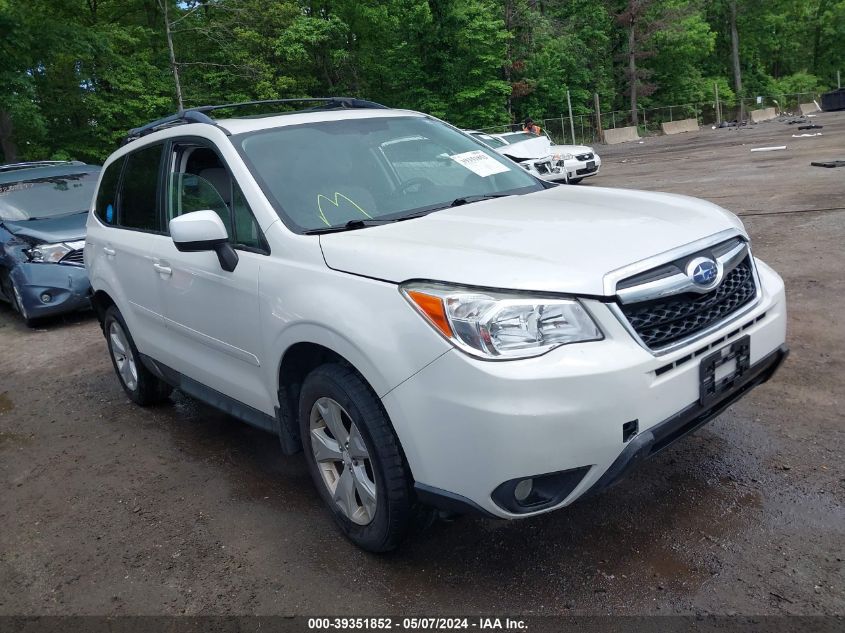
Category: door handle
[109,251]
[163,270]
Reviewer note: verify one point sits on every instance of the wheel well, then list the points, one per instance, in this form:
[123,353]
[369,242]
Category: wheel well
[101,302]
[299,360]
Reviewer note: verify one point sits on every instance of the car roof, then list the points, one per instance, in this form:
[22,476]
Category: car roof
[48,171]
[243,125]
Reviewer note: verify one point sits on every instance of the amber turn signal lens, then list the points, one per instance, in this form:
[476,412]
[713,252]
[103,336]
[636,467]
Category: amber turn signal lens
[432,307]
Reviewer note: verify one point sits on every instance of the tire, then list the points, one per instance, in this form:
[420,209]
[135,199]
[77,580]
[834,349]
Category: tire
[372,498]
[575,181]
[139,383]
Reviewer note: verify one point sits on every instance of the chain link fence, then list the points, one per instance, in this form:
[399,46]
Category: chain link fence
[583,128]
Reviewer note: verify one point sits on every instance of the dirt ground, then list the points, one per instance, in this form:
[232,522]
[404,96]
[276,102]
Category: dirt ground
[107,508]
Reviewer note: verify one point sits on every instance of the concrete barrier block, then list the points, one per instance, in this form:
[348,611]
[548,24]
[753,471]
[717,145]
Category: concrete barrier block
[764,114]
[678,127]
[809,108]
[621,135]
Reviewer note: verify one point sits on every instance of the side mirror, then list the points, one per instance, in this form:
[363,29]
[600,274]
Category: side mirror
[203,231]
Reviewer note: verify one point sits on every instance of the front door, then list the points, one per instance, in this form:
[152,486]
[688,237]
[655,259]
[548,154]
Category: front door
[211,314]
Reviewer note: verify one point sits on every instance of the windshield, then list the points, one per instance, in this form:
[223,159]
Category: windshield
[47,197]
[329,173]
[492,141]
[516,137]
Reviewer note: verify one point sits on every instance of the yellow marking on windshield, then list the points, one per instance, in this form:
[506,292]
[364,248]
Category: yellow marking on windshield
[336,203]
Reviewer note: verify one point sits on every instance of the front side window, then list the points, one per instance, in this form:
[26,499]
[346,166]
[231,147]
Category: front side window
[139,190]
[326,174]
[48,196]
[200,182]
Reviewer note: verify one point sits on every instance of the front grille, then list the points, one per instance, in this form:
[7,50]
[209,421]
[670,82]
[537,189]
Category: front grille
[74,257]
[664,321]
[587,156]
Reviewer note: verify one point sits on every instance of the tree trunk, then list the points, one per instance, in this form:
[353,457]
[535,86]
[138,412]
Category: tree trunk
[735,57]
[817,33]
[508,67]
[7,144]
[173,65]
[632,70]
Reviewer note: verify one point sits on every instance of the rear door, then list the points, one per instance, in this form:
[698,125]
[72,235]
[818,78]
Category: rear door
[131,247]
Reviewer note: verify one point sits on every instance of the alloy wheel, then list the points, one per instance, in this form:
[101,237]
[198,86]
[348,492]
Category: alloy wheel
[124,360]
[343,461]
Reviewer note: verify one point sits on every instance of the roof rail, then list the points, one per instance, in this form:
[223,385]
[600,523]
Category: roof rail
[38,163]
[326,103]
[188,116]
[198,114]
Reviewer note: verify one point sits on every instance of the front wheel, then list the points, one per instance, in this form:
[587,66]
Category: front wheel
[354,458]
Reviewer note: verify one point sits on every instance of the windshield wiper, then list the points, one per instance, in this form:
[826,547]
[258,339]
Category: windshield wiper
[360,224]
[457,202]
[349,226]
[60,215]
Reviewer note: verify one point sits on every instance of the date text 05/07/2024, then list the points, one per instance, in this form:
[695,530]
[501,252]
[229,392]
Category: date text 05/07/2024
[417,623]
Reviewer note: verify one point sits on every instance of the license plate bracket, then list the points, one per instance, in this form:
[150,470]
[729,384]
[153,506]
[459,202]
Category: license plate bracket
[713,379]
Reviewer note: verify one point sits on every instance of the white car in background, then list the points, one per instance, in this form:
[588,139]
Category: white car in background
[555,163]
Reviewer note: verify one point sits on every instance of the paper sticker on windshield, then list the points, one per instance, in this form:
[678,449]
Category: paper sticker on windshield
[479,163]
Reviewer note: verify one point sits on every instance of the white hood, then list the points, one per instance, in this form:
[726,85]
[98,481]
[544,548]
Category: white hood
[563,239]
[539,147]
[571,149]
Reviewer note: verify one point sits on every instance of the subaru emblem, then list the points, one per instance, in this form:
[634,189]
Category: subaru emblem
[703,272]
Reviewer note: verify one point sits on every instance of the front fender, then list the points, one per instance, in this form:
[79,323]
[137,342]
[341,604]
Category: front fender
[365,321]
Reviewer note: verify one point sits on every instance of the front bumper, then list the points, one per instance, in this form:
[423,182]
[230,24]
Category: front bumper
[468,425]
[662,435]
[576,169]
[66,284]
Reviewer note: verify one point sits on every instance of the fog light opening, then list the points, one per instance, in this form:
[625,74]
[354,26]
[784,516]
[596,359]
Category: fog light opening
[46,297]
[523,490]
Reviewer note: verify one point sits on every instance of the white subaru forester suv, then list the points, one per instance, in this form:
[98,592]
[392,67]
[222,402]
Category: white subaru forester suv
[431,324]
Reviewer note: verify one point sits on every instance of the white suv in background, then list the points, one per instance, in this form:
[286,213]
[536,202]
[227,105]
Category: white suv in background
[555,163]
[430,323]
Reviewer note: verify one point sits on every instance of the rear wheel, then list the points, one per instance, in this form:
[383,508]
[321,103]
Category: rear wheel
[139,383]
[354,458]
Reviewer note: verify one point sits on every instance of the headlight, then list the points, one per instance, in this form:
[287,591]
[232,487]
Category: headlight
[52,253]
[496,325]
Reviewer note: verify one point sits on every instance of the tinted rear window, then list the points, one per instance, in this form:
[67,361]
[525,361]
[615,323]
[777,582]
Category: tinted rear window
[107,194]
[139,191]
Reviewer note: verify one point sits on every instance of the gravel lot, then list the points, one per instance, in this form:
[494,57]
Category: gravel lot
[110,509]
